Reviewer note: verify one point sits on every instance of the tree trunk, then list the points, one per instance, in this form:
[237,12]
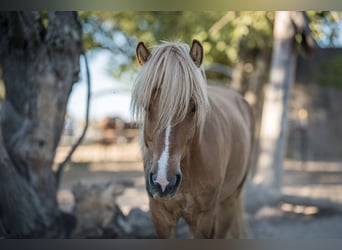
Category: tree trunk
[274,118]
[249,79]
[272,137]
[39,66]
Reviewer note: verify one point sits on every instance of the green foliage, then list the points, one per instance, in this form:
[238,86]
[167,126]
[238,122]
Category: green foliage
[325,26]
[224,35]
[329,73]
[220,32]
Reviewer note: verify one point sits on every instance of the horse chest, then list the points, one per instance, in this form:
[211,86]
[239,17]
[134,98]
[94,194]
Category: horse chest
[188,204]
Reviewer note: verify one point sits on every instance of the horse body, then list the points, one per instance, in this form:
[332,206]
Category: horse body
[198,174]
[214,171]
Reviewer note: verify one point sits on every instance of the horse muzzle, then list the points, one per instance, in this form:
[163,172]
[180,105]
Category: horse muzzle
[162,191]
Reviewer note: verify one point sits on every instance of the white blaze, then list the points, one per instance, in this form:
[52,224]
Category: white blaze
[162,162]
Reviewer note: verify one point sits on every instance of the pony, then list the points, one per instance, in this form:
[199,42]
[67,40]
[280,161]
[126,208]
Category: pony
[195,140]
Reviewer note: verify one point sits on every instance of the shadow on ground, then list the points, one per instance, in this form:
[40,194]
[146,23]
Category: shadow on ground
[308,207]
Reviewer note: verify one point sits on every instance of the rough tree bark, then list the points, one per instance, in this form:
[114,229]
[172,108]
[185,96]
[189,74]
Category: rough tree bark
[274,118]
[39,65]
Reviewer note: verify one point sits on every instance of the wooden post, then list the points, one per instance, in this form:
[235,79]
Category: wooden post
[274,117]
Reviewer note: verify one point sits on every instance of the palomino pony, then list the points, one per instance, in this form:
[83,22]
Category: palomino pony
[196,141]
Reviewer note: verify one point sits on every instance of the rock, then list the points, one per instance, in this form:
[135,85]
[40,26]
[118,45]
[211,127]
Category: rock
[99,216]
[141,224]
[96,210]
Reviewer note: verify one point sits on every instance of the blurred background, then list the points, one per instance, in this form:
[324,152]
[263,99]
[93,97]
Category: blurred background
[287,65]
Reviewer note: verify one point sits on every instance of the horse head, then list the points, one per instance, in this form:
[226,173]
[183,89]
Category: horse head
[170,97]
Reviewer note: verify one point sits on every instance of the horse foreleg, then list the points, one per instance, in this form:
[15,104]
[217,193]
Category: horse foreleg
[230,221]
[164,221]
[202,226]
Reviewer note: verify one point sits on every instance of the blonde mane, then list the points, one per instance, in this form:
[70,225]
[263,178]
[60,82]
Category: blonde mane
[170,77]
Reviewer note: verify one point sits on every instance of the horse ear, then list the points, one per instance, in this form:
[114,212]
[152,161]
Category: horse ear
[142,53]
[196,52]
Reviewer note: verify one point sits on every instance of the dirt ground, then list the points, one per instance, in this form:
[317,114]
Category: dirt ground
[310,205]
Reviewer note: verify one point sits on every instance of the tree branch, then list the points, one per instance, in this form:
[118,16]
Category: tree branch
[222,22]
[301,24]
[77,143]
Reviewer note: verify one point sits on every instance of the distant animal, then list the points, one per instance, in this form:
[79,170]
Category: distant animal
[196,143]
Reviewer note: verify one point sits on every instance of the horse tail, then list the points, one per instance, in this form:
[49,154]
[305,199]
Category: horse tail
[248,114]
[252,155]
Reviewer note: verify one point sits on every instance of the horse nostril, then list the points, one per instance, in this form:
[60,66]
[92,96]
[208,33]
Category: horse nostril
[152,178]
[176,180]
[179,179]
